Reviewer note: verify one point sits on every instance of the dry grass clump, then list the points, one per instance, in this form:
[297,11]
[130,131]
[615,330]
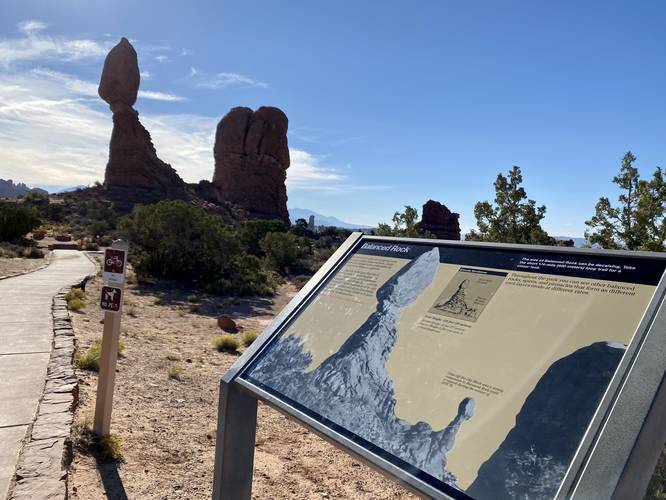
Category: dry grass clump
[248,337]
[108,447]
[225,343]
[175,371]
[75,299]
[89,360]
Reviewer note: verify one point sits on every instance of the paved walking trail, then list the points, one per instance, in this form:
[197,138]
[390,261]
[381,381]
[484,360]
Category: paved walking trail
[26,332]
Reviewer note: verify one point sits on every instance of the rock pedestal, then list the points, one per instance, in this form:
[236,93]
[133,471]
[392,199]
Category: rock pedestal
[134,172]
[440,221]
[251,161]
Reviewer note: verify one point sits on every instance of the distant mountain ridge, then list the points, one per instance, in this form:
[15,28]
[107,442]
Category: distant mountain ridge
[9,189]
[322,220]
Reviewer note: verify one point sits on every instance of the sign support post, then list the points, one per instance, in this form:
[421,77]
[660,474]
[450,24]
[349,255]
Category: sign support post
[109,355]
[234,444]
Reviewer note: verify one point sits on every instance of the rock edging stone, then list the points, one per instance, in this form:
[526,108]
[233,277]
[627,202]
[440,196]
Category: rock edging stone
[42,469]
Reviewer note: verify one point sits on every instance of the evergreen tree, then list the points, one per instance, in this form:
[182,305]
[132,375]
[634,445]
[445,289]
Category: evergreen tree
[513,218]
[638,222]
[404,224]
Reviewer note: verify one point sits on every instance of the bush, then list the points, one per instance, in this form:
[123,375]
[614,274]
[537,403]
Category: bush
[75,293]
[175,371]
[75,304]
[179,241]
[225,343]
[16,221]
[109,447]
[32,253]
[284,250]
[90,359]
[249,337]
[251,232]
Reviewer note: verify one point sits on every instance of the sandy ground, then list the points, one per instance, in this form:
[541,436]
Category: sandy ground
[10,267]
[168,425]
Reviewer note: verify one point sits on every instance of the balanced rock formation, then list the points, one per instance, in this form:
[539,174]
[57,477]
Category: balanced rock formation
[251,161]
[440,221]
[134,171]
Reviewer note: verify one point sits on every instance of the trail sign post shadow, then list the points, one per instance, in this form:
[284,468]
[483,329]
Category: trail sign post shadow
[111,296]
[466,370]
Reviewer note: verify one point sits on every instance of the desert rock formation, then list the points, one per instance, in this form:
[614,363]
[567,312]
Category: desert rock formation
[134,170]
[440,221]
[251,161]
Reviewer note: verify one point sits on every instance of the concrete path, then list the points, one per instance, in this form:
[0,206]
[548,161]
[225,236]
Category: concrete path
[26,332]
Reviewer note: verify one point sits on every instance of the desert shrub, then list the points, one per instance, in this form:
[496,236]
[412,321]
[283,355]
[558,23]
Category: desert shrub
[175,371]
[32,253]
[16,221]
[251,232]
[38,234]
[248,337]
[193,298]
[179,241]
[75,304]
[111,447]
[75,293]
[82,437]
[89,360]
[173,356]
[225,343]
[284,250]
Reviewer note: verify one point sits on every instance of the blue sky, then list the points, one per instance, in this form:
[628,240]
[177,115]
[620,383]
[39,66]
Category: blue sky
[389,103]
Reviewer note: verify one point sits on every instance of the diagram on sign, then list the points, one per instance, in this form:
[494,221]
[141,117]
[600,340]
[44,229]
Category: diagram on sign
[468,293]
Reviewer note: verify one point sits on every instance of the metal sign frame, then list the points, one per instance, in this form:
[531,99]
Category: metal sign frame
[615,458]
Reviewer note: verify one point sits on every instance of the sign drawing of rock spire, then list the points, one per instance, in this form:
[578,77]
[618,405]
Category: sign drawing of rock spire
[134,173]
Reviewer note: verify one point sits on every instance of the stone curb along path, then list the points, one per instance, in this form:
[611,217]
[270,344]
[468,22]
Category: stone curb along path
[42,467]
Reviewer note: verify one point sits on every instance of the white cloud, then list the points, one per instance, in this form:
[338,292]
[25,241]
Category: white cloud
[37,47]
[89,89]
[160,96]
[55,131]
[145,75]
[224,80]
[306,173]
[31,26]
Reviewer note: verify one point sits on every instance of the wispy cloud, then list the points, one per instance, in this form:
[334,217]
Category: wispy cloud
[307,173]
[89,89]
[37,47]
[160,96]
[225,80]
[31,26]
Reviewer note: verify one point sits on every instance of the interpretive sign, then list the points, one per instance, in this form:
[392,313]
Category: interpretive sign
[462,370]
[111,298]
[114,265]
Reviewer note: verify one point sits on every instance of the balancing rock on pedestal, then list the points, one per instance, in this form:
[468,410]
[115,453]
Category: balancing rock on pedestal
[440,221]
[134,172]
[251,161]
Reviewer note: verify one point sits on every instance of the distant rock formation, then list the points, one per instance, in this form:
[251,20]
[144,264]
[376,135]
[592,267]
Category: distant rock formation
[134,171]
[251,161]
[440,221]
[8,189]
[352,387]
[532,459]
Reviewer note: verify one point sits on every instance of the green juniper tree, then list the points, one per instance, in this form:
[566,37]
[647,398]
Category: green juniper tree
[404,224]
[638,222]
[513,218]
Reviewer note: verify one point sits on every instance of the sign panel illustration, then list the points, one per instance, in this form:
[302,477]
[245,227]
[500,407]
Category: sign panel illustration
[476,370]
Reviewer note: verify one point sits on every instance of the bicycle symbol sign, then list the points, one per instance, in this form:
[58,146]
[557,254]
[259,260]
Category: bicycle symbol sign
[114,265]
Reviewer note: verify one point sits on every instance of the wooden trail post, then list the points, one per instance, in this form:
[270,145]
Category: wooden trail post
[115,259]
